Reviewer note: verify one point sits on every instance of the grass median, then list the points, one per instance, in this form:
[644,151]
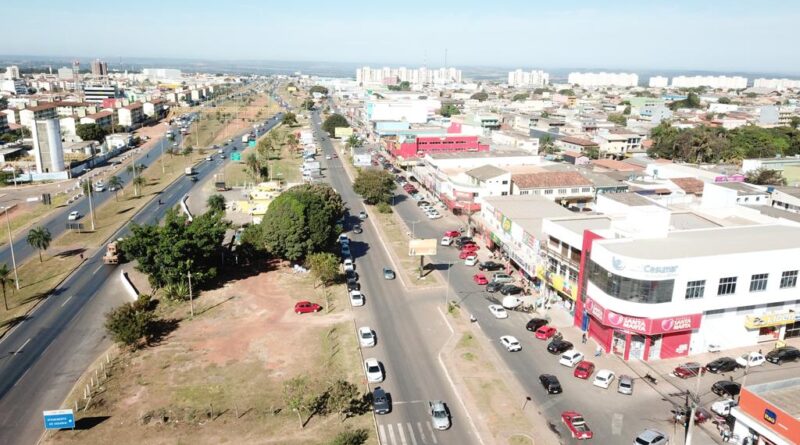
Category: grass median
[26,217]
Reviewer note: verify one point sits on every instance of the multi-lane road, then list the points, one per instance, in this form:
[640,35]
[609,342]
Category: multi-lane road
[46,353]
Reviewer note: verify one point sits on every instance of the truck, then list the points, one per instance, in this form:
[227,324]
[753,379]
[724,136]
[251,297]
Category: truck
[112,254]
[245,138]
[189,171]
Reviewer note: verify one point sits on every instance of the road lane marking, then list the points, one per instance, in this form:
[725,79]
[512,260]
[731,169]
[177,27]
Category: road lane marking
[421,432]
[411,433]
[430,429]
[402,432]
[616,424]
[382,434]
[65,301]
[391,433]
[407,401]
[98,269]
[23,345]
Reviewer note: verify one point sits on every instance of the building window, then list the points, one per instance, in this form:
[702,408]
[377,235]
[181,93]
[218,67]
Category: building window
[789,279]
[575,190]
[586,190]
[695,289]
[758,282]
[503,193]
[630,289]
[505,182]
[727,286]
[523,192]
[562,191]
[548,192]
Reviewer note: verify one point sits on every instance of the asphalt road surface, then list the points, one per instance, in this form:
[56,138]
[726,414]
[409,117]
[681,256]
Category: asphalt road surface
[43,356]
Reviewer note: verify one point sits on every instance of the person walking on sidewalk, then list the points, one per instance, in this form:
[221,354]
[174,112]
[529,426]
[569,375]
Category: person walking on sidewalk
[583,338]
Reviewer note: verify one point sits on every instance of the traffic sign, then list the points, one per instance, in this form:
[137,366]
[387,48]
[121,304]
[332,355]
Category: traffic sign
[59,419]
[236,156]
[251,144]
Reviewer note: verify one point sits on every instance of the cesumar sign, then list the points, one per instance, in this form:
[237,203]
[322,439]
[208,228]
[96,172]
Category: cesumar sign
[620,265]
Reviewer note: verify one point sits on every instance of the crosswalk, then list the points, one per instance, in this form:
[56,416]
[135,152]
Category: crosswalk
[407,433]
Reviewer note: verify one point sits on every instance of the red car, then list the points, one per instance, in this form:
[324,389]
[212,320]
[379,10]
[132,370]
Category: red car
[480,278]
[452,233]
[545,332]
[305,307]
[466,253]
[584,370]
[578,427]
[687,370]
[470,248]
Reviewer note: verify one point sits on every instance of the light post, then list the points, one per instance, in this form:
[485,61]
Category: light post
[191,300]
[447,294]
[11,245]
[91,202]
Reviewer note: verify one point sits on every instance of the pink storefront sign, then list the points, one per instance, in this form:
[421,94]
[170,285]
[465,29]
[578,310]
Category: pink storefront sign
[642,325]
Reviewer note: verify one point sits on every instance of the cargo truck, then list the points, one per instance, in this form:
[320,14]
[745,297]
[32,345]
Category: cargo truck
[189,171]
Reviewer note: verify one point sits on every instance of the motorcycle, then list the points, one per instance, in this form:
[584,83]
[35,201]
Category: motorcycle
[650,379]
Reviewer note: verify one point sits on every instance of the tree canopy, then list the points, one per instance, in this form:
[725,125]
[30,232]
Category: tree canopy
[765,176]
[289,119]
[318,89]
[480,96]
[520,97]
[724,100]
[333,121]
[449,110]
[618,119]
[375,186]
[402,86]
[90,132]
[566,92]
[692,101]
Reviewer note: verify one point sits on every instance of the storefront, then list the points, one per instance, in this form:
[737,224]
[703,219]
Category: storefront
[639,338]
[765,414]
[772,326]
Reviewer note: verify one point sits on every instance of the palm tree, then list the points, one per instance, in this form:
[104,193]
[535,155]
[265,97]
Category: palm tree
[39,238]
[115,183]
[138,182]
[5,280]
[253,166]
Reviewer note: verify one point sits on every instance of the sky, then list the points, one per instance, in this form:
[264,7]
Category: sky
[713,35]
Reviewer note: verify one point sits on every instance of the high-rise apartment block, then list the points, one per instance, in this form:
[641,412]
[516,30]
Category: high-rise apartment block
[603,79]
[535,78]
[423,75]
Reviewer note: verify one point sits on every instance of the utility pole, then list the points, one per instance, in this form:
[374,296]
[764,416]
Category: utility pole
[163,170]
[191,301]
[11,245]
[91,202]
[447,294]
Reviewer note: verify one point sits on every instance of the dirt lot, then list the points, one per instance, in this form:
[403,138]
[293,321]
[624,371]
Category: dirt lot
[219,378]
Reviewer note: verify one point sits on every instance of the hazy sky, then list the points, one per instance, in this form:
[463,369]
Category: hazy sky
[722,35]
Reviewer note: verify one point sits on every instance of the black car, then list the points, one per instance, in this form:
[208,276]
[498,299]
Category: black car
[510,289]
[783,354]
[726,388]
[722,364]
[494,286]
[380,401]
[357,228]
[550,383]
[351,274]
[352,284]
[535,324]
[490,266]
[463,241]
[557,346]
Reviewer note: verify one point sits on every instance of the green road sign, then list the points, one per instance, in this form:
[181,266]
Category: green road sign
[236,156]
[251,143]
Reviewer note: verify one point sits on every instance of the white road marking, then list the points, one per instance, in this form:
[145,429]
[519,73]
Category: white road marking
[98,269]
[65,301]
[391,433]
[411,433]
[421,432]
[430,428]
[402,432]
[23,345]
[407,401]
[382,434]
[616,424]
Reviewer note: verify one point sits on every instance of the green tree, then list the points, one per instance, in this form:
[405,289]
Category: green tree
[546,144]
[480,96]
[333,121]
[90,132]
[308,104]
[289,119]
[255,168]
[298,397]
[216,203]
[138,183]
[592,153]
[39,238]
[374,186]
[765,176]
[324,267]
[116,184]
[342,396]
[129,324]
[724,100]
[318,89]
[354,141]
[618,119]
[566,92]
[351,437]
[449,110]
[794,122]
[5,280]
[520,97]
[692,101]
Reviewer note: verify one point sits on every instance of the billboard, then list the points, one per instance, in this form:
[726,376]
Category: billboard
[342,132]
[420,247]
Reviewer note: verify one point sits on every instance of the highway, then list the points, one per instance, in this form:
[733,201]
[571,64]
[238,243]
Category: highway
[408,341]
[47,352]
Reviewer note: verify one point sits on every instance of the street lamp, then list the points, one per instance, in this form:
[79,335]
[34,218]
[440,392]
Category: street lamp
[11,245]
[447,294]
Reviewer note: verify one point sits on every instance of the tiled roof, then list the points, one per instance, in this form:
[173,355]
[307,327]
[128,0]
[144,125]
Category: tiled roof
[612,164]
[550,180]
[579,141]
[691,186]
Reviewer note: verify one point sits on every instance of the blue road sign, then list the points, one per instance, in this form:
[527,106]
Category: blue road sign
[59,419]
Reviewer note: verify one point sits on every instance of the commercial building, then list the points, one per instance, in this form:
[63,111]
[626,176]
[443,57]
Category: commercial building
[99,68]
[564,187]
[96,94]
[769,413]
[535,78]
[410,147]
[47,147]
[716,82]
[603,79]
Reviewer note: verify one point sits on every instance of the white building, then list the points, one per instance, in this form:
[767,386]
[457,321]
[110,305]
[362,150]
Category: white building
[658,82]
[99,93]
[12,72]
[716,82]
[535,78]
[776,84]
[47,148]
[16,86]
[603,79]
[162,74]
[367,75]
[65,73]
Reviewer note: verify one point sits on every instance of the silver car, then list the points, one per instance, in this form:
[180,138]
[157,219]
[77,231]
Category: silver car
[500,277]
[651,437]
[625,385]
[439,416]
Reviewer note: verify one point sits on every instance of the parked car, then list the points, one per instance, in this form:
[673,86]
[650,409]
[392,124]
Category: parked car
[470,248]
[689,369]
[433,215]
[545,332]
[726,388]
[498,311]
[374,370]
[345,249]
[352,284]
[557,346]
[471,260]
[510,343]
[446,241]
[462,241]
[305,307]
[464,254]
[510,289]
[362,215]
[388,274]
[423,204]
[578,428]
[722,364]
[571,358]
[504,278]
[357,228]
[439,416]
[625,385]
[603,378]
[751,359]
[550,383]
[723,407]
[452,234]
[356,298]
[380,401]
[349,264]
[584,370]
[480,278]
[493,286]
[491,266]
[343,239]
[783,354]
[511,302]
[366,337]
[651,437]
[535,323]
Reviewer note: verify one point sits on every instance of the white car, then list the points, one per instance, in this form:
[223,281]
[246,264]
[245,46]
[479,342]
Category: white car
[570,358]
[356,298]
[446,241]
[372,368]
[328,157]
[349,265]
[73,216]
[433,215]
[510,343]
[366,337]
[750,360]
[498,311]
[603,378]
[471,260]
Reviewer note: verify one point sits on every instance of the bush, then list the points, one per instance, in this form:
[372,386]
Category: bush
[382,207]
[351,437]
[129,324]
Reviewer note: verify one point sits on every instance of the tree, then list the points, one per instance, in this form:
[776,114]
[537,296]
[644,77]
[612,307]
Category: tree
[692,101]
[520,97]
[90,132]
[402,86]
[374,186]
[566,92]
[298,397]
[618,119]
[342,395]
[724,100]
[351,437]
[480,96]
[318,89]
[255,168]
[138,182]
[39,238]
[116,184]
[546,144]
[354,141]
[308,104]
[333,121]
[216,203]
[5,280]
[289,119]
[324,267]
[765,176]
[449,110]
[794,122]
[129,324]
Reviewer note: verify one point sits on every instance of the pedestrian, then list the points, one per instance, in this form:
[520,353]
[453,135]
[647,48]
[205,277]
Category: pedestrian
[81,255]
[598,352]
[583,338]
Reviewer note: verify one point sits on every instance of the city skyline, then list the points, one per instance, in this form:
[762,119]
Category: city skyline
[624,35]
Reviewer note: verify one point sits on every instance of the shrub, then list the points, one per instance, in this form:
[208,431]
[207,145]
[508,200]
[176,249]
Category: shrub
[382,207]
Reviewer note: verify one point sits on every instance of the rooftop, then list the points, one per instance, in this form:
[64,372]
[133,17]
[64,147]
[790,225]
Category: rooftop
[579,224]
[527,211]
[479,154]
[742,188]
[578,141]
[550,180]
[486,172]
[692,186]
[791,191]
[783,393]
[613,164]
[629,198]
